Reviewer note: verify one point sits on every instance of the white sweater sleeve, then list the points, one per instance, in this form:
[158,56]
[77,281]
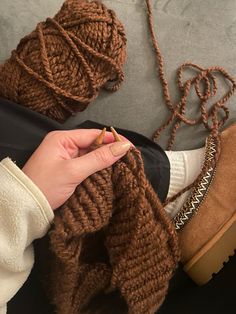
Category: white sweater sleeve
[25,215]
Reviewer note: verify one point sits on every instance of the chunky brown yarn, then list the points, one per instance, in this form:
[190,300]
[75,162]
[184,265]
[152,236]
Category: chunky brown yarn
[113,233]
[61,66]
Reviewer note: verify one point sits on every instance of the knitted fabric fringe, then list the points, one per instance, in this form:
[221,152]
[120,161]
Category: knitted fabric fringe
[61,66]
[113,233]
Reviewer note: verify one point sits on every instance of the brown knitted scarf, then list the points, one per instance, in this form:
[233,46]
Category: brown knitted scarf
[113,233]
[135,250]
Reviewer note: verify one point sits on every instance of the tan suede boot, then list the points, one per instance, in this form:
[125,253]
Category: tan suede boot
[209,236]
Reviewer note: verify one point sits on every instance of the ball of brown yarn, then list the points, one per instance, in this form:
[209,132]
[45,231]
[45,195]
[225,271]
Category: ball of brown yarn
[112,234]
[61,66]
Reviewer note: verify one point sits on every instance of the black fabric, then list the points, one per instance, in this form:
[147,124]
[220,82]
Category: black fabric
[21,131]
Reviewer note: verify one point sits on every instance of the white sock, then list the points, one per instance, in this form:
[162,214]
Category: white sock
[185,166]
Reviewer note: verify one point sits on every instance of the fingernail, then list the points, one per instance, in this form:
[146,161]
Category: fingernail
[115,134]
[119,148]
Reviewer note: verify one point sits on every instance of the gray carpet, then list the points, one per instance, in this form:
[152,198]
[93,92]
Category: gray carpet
[202,31]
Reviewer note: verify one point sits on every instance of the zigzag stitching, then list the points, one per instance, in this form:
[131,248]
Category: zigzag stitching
[202,187]
[185,215]
[212,149]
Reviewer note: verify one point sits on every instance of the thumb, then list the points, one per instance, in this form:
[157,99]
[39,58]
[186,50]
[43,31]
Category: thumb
[99,159]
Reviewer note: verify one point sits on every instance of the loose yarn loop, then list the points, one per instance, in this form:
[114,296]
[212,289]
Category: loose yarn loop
[60,67]
[205,78]
[113,233]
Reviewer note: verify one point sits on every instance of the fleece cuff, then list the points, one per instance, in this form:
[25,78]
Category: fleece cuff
[30,187]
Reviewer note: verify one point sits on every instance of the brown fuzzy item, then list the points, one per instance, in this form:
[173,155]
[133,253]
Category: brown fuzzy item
[60,67]
[113,233]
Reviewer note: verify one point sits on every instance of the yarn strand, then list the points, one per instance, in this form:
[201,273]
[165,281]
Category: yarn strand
[206,77]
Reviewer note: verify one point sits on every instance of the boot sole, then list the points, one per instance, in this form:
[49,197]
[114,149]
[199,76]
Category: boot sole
[211,258]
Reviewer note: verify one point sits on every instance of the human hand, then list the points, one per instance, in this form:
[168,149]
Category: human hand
[62,161]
